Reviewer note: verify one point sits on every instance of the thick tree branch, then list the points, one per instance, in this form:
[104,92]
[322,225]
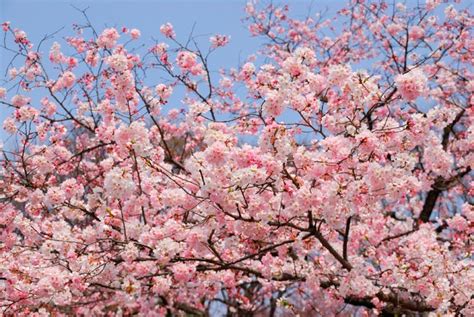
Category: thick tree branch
[432,196]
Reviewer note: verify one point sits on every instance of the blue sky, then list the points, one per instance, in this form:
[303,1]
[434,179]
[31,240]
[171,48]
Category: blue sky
[40,17]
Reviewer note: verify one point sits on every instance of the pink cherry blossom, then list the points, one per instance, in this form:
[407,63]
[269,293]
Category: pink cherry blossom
[330,173]
[167,30]
[26,113]
[219,40]
[6,26]
[135,33]
[412,84]
[187,61]
[20,101]
[21,37]
[3,93]
[9,125]
[118,183]
[416,33]
[164,91]
[55,54]
[118,62]
[108,38]
[68,79]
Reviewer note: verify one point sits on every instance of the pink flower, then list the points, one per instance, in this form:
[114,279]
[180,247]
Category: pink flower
[432,4]
[13,72]
[9,125]
[130,253]
[20,101]
[219,40]
[54,196]
[338,74]
[108,38]
[118,62]
[394,28]
[216,153]
[159,49]
[183,272]
[317,82]
[71,188]
[167,30]
[26,113]
[186,59]
[71,62]
[92,57]
[135,33]
[412,84]
[134,136]
[5,26]
[274,104]
[248,69]
[293,67]
[450,12]
[20,37]
[48,107]
[163,91]
[55,54]
[468,211]
[188,62]
[3,93]
[118,183]
[458,223]
[122,136]
[161,284]
[416,33]
[68,79]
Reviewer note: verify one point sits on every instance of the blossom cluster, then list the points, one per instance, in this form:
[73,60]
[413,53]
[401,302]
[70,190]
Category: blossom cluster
[328,174]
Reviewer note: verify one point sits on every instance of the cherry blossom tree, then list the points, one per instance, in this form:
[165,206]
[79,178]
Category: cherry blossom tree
[351,196]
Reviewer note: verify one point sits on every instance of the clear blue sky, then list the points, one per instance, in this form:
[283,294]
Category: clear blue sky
[39,17]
